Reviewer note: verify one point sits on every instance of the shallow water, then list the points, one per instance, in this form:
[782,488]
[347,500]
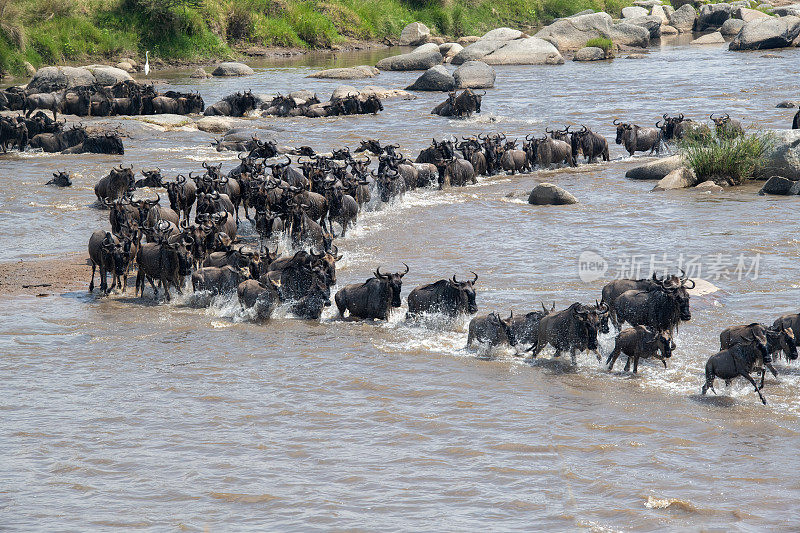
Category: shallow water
[122,414]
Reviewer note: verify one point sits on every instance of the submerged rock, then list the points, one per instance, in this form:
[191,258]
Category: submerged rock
[711,38]
[422,58]
[474,75]
[780,186]
[549,194]
[348,73]
[590,53]
[709,186]
[655,170]
[680,178]
[434,79]
[232,68]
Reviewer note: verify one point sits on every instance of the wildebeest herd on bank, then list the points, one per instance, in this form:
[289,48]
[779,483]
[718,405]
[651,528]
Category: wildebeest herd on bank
[312,199]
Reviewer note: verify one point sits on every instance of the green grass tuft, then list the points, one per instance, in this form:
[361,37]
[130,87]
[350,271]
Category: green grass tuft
[728,160]
[605,44]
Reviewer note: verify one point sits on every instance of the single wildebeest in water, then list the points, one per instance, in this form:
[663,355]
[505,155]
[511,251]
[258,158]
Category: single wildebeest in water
[572,330]
[637,139]
[727,126]
[372,299]
[778,338]
[738,360]
[106,252]
[60,179]
[447,296]
[662,308]
[492,329]
[641,342]
[263,298]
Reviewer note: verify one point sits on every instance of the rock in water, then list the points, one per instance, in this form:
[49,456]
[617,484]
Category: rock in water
[530,51]
[732,27]
[780,186]
[477,50]
[474,75]
[434,79]
[783,156]
[232,68]
[683,19]
[348,73]
[655,170]
[422,58]
[680,178]
[549,194]
[590,53]
[572,33]
[762,34]
[711,38]
[414,34]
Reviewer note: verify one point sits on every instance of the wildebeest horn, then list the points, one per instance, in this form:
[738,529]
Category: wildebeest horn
[683,276]
[689,281]
[616,122]
[665,116]
[548,130]
[544,308]
[727,116]
[406,272]
[585,129]
[476,277]
[657,126]
[379,275]
[680,116]
[711,116]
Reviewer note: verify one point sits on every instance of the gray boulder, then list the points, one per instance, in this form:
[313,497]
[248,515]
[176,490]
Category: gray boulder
[477,50]
[683,19]
[668,30]
[780,185]
[633,12]
[732,27]
[708,186]
[783,11]
[710,38]
[422,58]
[631,35]
[783,156]
[50,78]
[549,194]
[214,124]
[503,34]
[434,79]
[748,14]
[106,75]
[449,50]
[349,73]
[713,15]
[647,3]
[655,170]
[680,178]
[302,96]
[651,24]
[590,53]
[200,73]
[661,13]
[474,75]
[762,34]
[573,32]
[414,34]
[232,68]
[530,51]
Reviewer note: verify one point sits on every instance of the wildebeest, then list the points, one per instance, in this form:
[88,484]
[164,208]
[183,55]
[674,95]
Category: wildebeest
[457,173]
[233,105]
[591,144]
[389,185]
[513,161]
[615,288]
[60,179]
[778,338]
[168,261]
[219,280]
[312,303]
[790,321]
[572,330]
[641,342]
[104,143]
[492,330]
[446,296]
[119,182]
[526,327]
[182,195]
[796,121]
[552,151]
[638,139]
[263,298]
[462,105]
[152,178]
[727,126]
[738,360]
[661,308]
[106,252]
[374,298]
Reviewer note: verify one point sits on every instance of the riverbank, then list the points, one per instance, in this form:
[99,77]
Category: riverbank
[185,32]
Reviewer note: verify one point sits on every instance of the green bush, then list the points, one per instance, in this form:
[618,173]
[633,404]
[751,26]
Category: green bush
[730,160]
[599,42]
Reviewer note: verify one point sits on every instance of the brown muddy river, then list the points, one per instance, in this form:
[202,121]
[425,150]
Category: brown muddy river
[121,414]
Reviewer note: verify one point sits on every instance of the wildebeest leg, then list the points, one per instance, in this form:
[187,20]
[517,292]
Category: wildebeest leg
[612,358]
[103,279]
[772,369]
[635,364]
[574,357]
[627,364]
[91,283]
[749,378]
[152,284]
[710,377]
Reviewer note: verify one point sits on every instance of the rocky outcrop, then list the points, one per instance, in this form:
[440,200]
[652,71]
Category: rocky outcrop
[474,75]
[573,32]
[732,27]
[713,16]
[656,170]
[710,38]
[549,194]
[232,68]
[633,12]
[56,78]
[651,24]
[683,19]
[348,73]
[590,53]
[449,50]
[503,34]
[214,124]
[434,79]
[763,34]
[422,58]
[780,186]
[631,35]
[477,50]
[414,34]
[530,51]
[680,178]
[783,156]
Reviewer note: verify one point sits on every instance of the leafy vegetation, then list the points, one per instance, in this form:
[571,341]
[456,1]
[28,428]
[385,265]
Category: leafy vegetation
[727,159]
[604,44]
[53,31]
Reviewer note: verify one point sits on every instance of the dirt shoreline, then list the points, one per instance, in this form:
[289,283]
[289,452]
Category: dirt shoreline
[46,276]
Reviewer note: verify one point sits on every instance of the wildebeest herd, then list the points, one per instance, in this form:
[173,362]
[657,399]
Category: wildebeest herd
[295,104]
[299,200]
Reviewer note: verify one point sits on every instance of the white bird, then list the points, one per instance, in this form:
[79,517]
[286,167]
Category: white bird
[147,62]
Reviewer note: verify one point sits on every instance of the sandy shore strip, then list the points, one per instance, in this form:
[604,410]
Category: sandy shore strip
[46,276]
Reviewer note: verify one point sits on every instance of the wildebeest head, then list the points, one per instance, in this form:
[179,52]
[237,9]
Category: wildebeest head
[372,145]
[721,121]
[466,292]
[60,179]
[181,244]
[602,311]
[395,283]
[152,178]
[588,322]
[622,127]
[782,338]
[505,325]
[119,252]
[677,288]
[327,260]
